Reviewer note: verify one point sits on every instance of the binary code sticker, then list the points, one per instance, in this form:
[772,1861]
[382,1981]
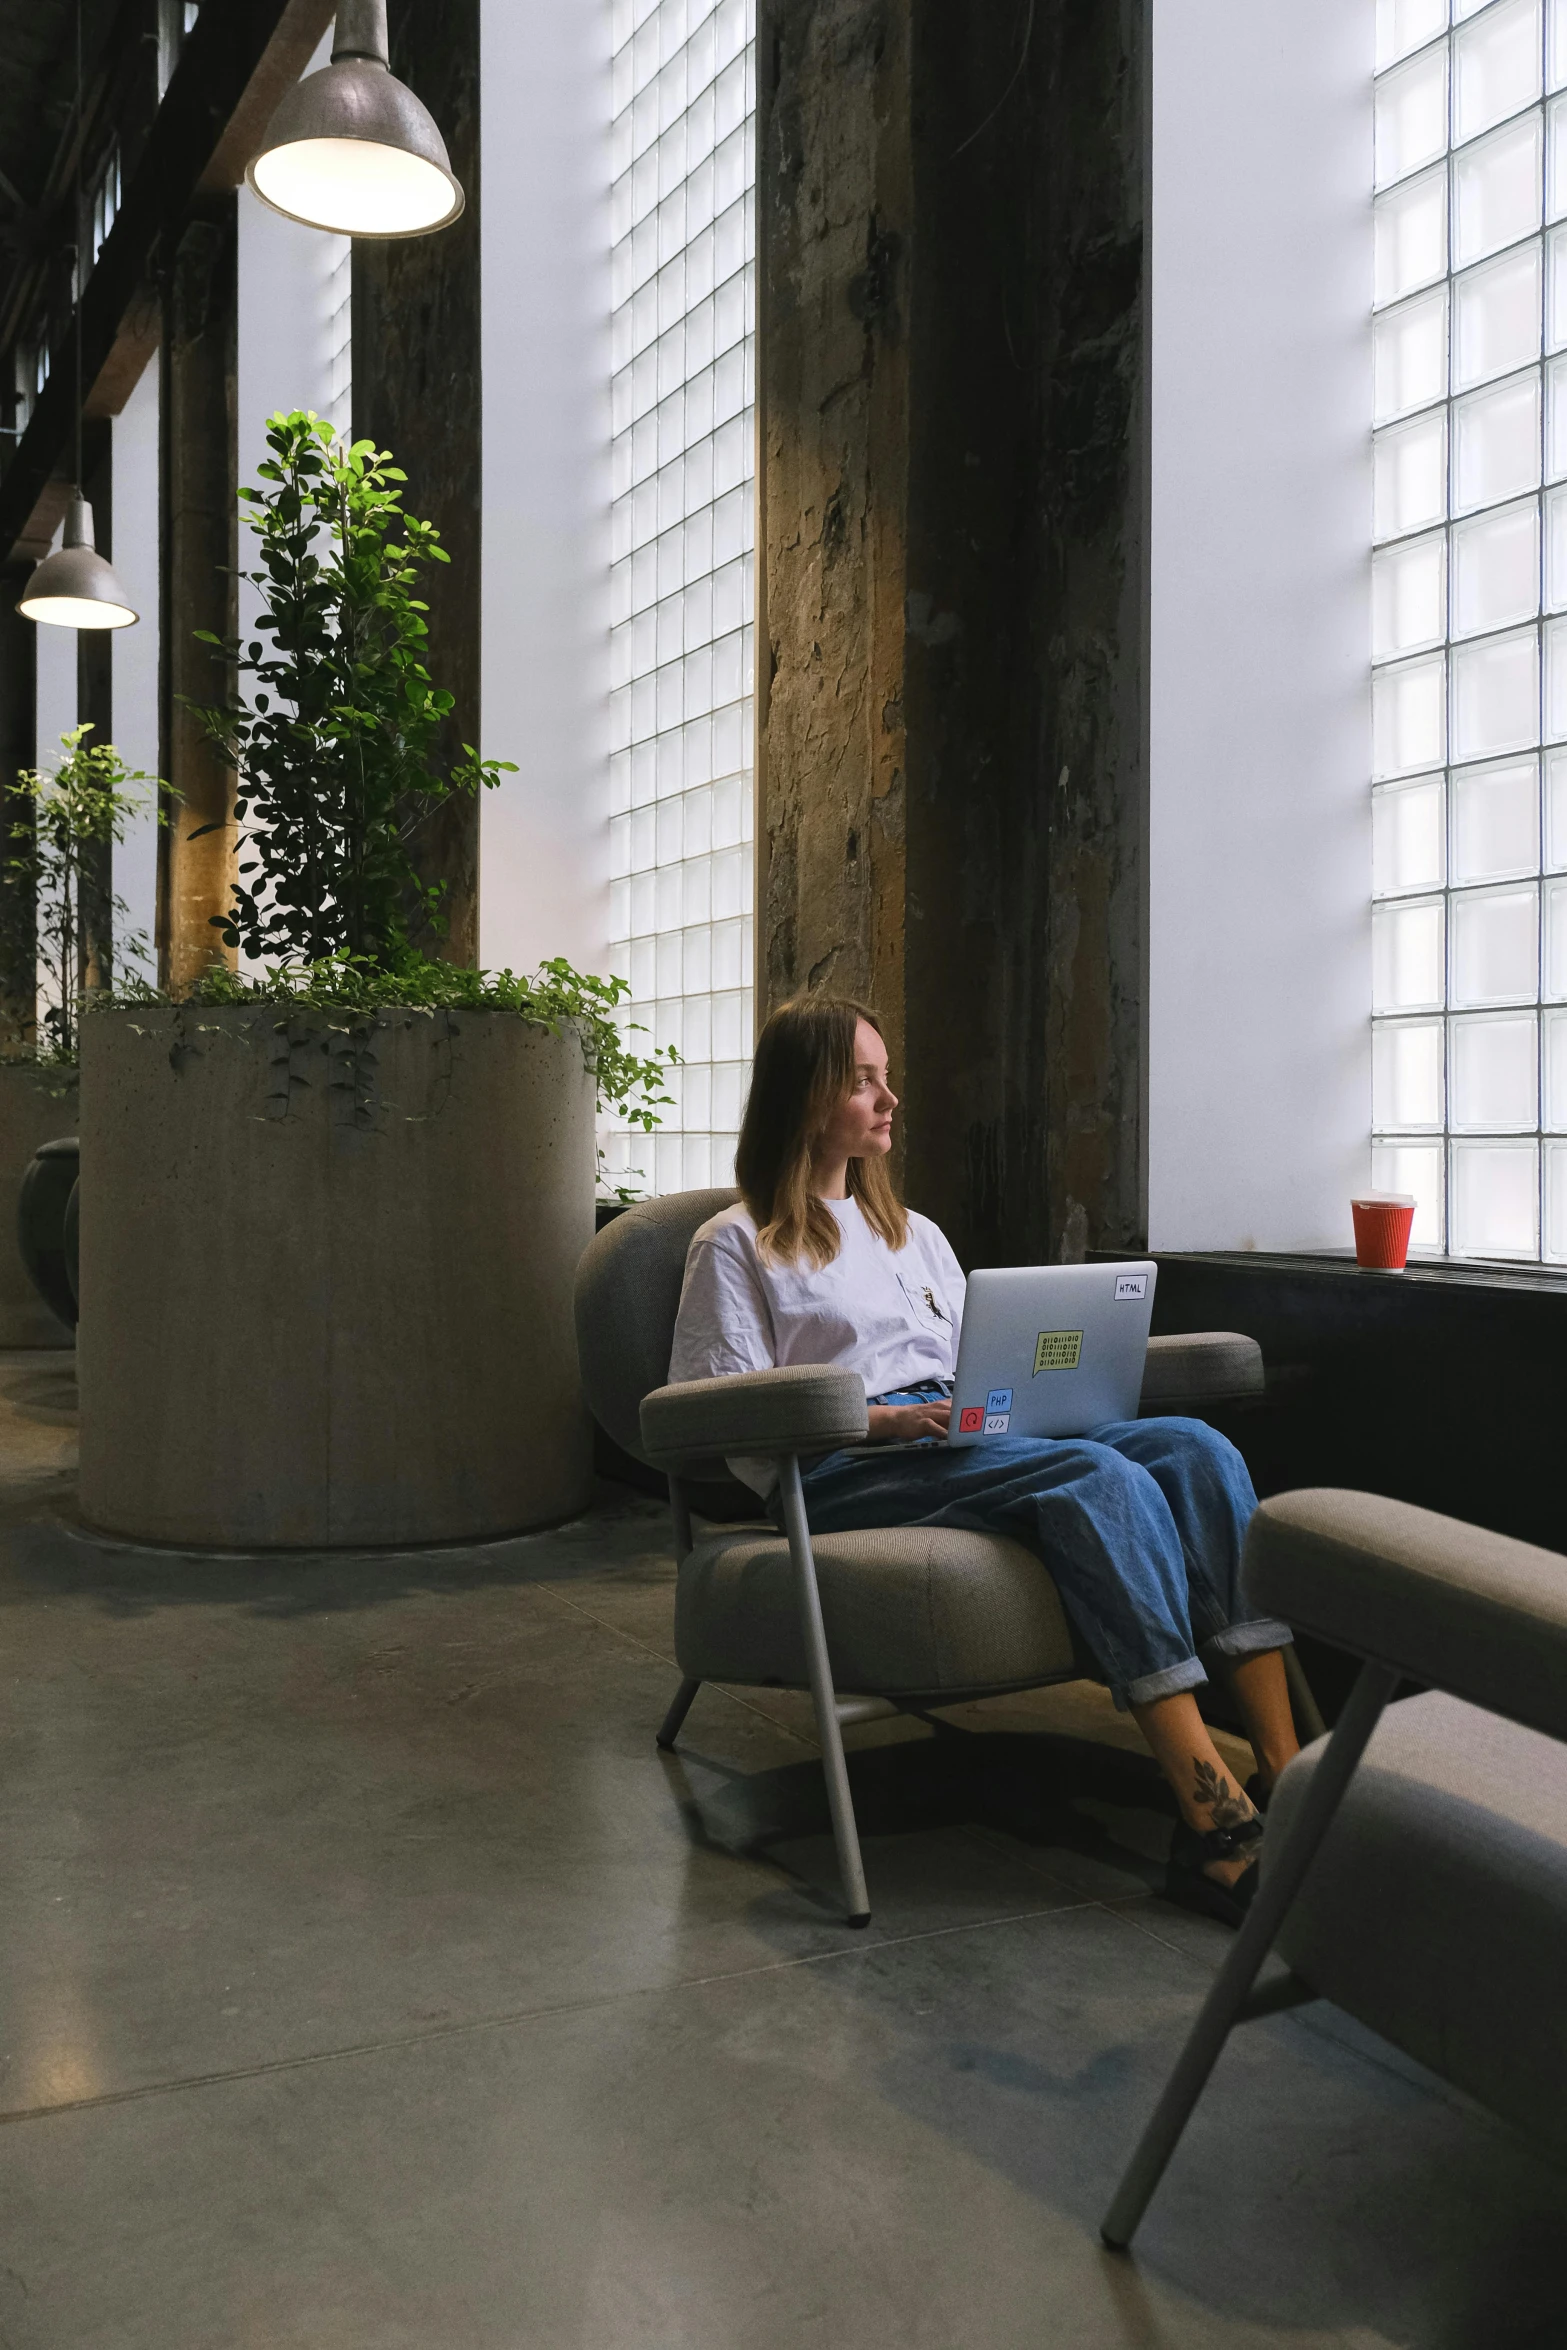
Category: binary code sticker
[1130,1285]
[1057,1350]
[970,1420]
[997,1423]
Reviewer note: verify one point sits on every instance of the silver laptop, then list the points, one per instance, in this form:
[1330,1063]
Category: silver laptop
[1051,1350]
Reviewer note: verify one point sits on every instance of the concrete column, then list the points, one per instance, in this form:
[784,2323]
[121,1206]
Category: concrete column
[952,774]
[199,534]
[18,749]
[418,392]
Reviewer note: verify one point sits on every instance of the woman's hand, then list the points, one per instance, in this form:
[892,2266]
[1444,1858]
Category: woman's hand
[903,1423]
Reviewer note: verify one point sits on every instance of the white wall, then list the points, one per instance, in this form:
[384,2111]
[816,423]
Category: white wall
[1259,1046]
[136,649]
[544,869]
[56,687]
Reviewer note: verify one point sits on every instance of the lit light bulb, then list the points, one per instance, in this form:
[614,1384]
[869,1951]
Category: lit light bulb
[351,149]
[76,587]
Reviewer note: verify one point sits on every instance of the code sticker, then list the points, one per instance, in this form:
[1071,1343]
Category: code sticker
[999,1400]
[997,1423]
[1130,1285]
[970,1420]
[1058,1350]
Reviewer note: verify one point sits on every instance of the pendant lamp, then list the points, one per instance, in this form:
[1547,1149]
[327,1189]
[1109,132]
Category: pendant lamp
[351,148]
[76,587]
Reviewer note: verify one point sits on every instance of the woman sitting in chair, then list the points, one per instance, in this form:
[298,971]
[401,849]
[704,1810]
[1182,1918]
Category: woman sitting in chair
[1140,1523]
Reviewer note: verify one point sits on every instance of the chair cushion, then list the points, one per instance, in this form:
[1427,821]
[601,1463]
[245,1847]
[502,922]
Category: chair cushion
[1436,1909]
[1200,1366]
[909,1610]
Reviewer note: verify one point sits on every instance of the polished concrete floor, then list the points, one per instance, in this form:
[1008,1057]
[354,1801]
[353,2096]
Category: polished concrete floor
[368,1982]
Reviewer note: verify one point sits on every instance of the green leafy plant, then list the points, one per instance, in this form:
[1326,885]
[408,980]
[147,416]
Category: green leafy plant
[64,828]
[337,743]
[336,731]
[630,1085]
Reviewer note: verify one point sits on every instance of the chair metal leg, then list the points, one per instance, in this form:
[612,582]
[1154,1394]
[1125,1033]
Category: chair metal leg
[845,1834]
[1308,1714]
[677,1714]
[1281,1881]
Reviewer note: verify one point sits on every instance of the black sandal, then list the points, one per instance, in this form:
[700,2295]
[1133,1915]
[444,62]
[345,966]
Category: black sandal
[1188,1883]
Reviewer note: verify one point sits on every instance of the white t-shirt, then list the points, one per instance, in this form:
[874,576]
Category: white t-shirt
[893,1315]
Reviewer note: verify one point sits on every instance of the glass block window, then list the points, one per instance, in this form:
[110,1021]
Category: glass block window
[683,584]
[1469,620]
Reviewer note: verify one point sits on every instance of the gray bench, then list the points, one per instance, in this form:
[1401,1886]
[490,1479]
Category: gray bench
[1415,1864]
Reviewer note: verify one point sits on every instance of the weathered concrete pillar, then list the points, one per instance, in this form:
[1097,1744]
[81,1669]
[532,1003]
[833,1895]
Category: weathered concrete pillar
[199,496]
[18,749]
[417,391]
[952,771]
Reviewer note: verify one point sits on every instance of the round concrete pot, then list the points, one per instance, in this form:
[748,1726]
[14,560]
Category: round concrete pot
[37,1105]
[327,1265]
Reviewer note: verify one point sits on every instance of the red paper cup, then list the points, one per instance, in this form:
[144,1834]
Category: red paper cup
[1382,1221]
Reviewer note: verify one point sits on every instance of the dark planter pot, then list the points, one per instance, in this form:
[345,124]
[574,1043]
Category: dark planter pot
[37,1104]
[43,1210]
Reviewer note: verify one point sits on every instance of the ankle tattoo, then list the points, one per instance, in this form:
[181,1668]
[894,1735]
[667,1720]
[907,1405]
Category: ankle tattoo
[1225,1804]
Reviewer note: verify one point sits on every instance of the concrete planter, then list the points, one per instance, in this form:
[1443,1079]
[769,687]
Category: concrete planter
[328,1269]
[37,1105]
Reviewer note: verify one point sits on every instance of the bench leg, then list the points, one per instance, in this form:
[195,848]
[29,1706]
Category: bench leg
[677,1714]
[845,1833]
[1281,1881]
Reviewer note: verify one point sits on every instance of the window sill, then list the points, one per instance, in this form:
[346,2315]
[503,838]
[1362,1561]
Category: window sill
[1421,1272]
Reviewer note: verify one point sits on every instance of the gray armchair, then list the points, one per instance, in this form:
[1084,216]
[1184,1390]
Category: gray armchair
[1415,1866]
[906,1618]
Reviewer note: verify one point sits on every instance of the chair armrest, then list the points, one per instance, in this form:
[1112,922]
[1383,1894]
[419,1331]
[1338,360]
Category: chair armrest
[1200,1366]
[1474,1613]
[754,1412]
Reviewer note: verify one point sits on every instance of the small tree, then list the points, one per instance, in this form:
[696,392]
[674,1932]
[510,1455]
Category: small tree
[338,743]
[69,820]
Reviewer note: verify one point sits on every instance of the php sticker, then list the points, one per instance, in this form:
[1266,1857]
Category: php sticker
[970,1420]
[997,1423]
[1058,1350]
[1130,1285]
[999,1400]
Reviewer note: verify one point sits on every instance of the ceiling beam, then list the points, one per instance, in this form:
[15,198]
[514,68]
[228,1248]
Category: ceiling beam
[234,65]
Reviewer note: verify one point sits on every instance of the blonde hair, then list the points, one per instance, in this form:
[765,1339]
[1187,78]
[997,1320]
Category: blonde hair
[803,1068]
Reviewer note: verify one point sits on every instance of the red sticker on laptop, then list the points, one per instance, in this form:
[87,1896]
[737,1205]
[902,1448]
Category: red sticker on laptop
[971,1419]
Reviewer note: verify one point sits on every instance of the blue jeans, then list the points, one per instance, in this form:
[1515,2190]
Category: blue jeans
[1140,1524]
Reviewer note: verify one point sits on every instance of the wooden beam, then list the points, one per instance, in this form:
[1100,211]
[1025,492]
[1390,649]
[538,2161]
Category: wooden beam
[417,392]
[18,749]
[198,556]
[199,134]
[952,782]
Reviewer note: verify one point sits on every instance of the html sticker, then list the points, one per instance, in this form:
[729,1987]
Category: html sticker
[997,1423]
[970,1420]
[1058,1350]
[1130,1285]
[998,1400]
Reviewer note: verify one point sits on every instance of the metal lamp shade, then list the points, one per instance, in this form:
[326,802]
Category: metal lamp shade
[351,148]
[76,587]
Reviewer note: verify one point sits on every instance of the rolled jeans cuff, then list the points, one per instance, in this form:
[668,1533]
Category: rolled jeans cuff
[1250,1639]
[1148,1688]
